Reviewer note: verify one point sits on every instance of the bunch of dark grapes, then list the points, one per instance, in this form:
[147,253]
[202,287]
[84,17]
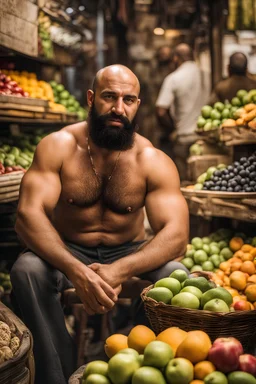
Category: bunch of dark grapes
[238,177]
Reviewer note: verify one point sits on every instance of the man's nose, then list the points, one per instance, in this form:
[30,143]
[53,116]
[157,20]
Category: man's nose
[118,107]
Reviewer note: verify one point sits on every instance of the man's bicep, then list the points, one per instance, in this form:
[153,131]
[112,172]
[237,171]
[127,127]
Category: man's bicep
[167,208]
[40,190]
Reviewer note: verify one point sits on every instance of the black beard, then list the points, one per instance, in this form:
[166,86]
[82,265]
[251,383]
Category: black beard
[109,136]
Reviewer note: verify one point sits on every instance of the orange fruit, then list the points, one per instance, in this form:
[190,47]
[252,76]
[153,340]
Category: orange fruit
[237,280]
[194,347]
[246,248]
[226,280]
[254,304]
[250,292]
[236,243]
[238,254]
[253,252]
[224,266]
[139,337]
[115,343]
[202,369]
[220,274]
[196,382]
[252,279]
[218,281]
[232,291]
[236,266]
[248,267]
[247,257]
[172,336]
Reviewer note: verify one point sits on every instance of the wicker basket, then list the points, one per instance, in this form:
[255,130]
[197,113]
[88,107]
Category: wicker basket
[241,325]
[19,369]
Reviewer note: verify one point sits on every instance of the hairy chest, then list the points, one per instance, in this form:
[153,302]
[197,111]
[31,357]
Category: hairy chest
[123,193]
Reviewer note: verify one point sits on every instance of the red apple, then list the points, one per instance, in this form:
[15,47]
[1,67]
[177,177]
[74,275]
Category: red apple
[242,305]
[224,354]
[247,363]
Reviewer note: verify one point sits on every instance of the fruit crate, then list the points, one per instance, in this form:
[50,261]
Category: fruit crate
[241,325]
[10,185]
[199,164]
[237,135]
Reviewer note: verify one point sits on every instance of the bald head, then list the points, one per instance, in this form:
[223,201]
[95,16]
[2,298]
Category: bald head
[237,64]
[183,52]
[115,71]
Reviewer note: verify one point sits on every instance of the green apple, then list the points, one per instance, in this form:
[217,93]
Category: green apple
[179,371]
[121,368]
[170,283]
[186,300]
[216,377]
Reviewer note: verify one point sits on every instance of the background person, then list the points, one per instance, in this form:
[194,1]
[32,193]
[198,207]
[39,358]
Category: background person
[81,216]
[238,79]
[179,104]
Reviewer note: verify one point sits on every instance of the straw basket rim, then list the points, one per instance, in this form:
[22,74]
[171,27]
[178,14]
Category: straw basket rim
[185,311]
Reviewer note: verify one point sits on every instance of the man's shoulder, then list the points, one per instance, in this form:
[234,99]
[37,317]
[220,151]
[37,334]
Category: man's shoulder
[149,155]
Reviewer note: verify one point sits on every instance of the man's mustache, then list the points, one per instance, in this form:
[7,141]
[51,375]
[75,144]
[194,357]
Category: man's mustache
[113,116]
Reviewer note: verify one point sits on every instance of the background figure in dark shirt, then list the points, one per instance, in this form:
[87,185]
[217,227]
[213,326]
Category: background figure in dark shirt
[238,79]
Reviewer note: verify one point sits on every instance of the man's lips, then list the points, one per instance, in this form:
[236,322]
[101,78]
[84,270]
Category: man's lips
[117,122]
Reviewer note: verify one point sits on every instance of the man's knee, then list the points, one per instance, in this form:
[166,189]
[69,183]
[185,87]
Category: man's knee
[168,268]
[28,266]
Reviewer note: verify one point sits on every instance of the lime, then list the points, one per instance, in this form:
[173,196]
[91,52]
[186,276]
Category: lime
[170,283]
[121,368]
[214,249]
[216,123]
[200,256]
[179,274]
[148,375]
[206,111]
[246,100]
[97,366]
[96,378]
[190,253]
[236,102]
[216,377]
[200,282]
[216,305]
[217,293]
[226,253]
[207,266]
[160,294]
[187,262]
[186,300]
[215,115]
[239,377]
[197,242]
[215,259]
[157,354]
[201,122]
[222,244]
[210,172]
[241,93]
[206,248]
[208,126]
[225,114]
[219,106]
[196,268]
[194,290]
[206,240]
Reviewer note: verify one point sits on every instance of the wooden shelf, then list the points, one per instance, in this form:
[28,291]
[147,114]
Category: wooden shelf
[241,207]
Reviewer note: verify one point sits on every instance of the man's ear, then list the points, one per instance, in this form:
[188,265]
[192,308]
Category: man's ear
[138,102]
[90,97]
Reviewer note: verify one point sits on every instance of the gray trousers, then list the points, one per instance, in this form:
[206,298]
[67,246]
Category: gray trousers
[36,287]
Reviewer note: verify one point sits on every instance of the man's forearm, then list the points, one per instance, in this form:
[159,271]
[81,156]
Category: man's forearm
[38,233]
[165,120]
[164,247]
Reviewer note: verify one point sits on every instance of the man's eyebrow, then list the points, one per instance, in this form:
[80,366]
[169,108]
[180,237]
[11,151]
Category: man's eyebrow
[115,93]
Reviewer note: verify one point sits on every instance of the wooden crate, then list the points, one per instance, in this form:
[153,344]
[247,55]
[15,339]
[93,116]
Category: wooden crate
[199,164]
[9,186]
[10,99]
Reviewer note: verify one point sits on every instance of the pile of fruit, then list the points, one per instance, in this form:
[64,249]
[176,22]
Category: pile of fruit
[18,151]
[237,177]
[5,282]
[10,87]
[191,292]
[207,253]
[238,274]
[9,343]
[29,82]
[173,357]
[240,111]
[63,97]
